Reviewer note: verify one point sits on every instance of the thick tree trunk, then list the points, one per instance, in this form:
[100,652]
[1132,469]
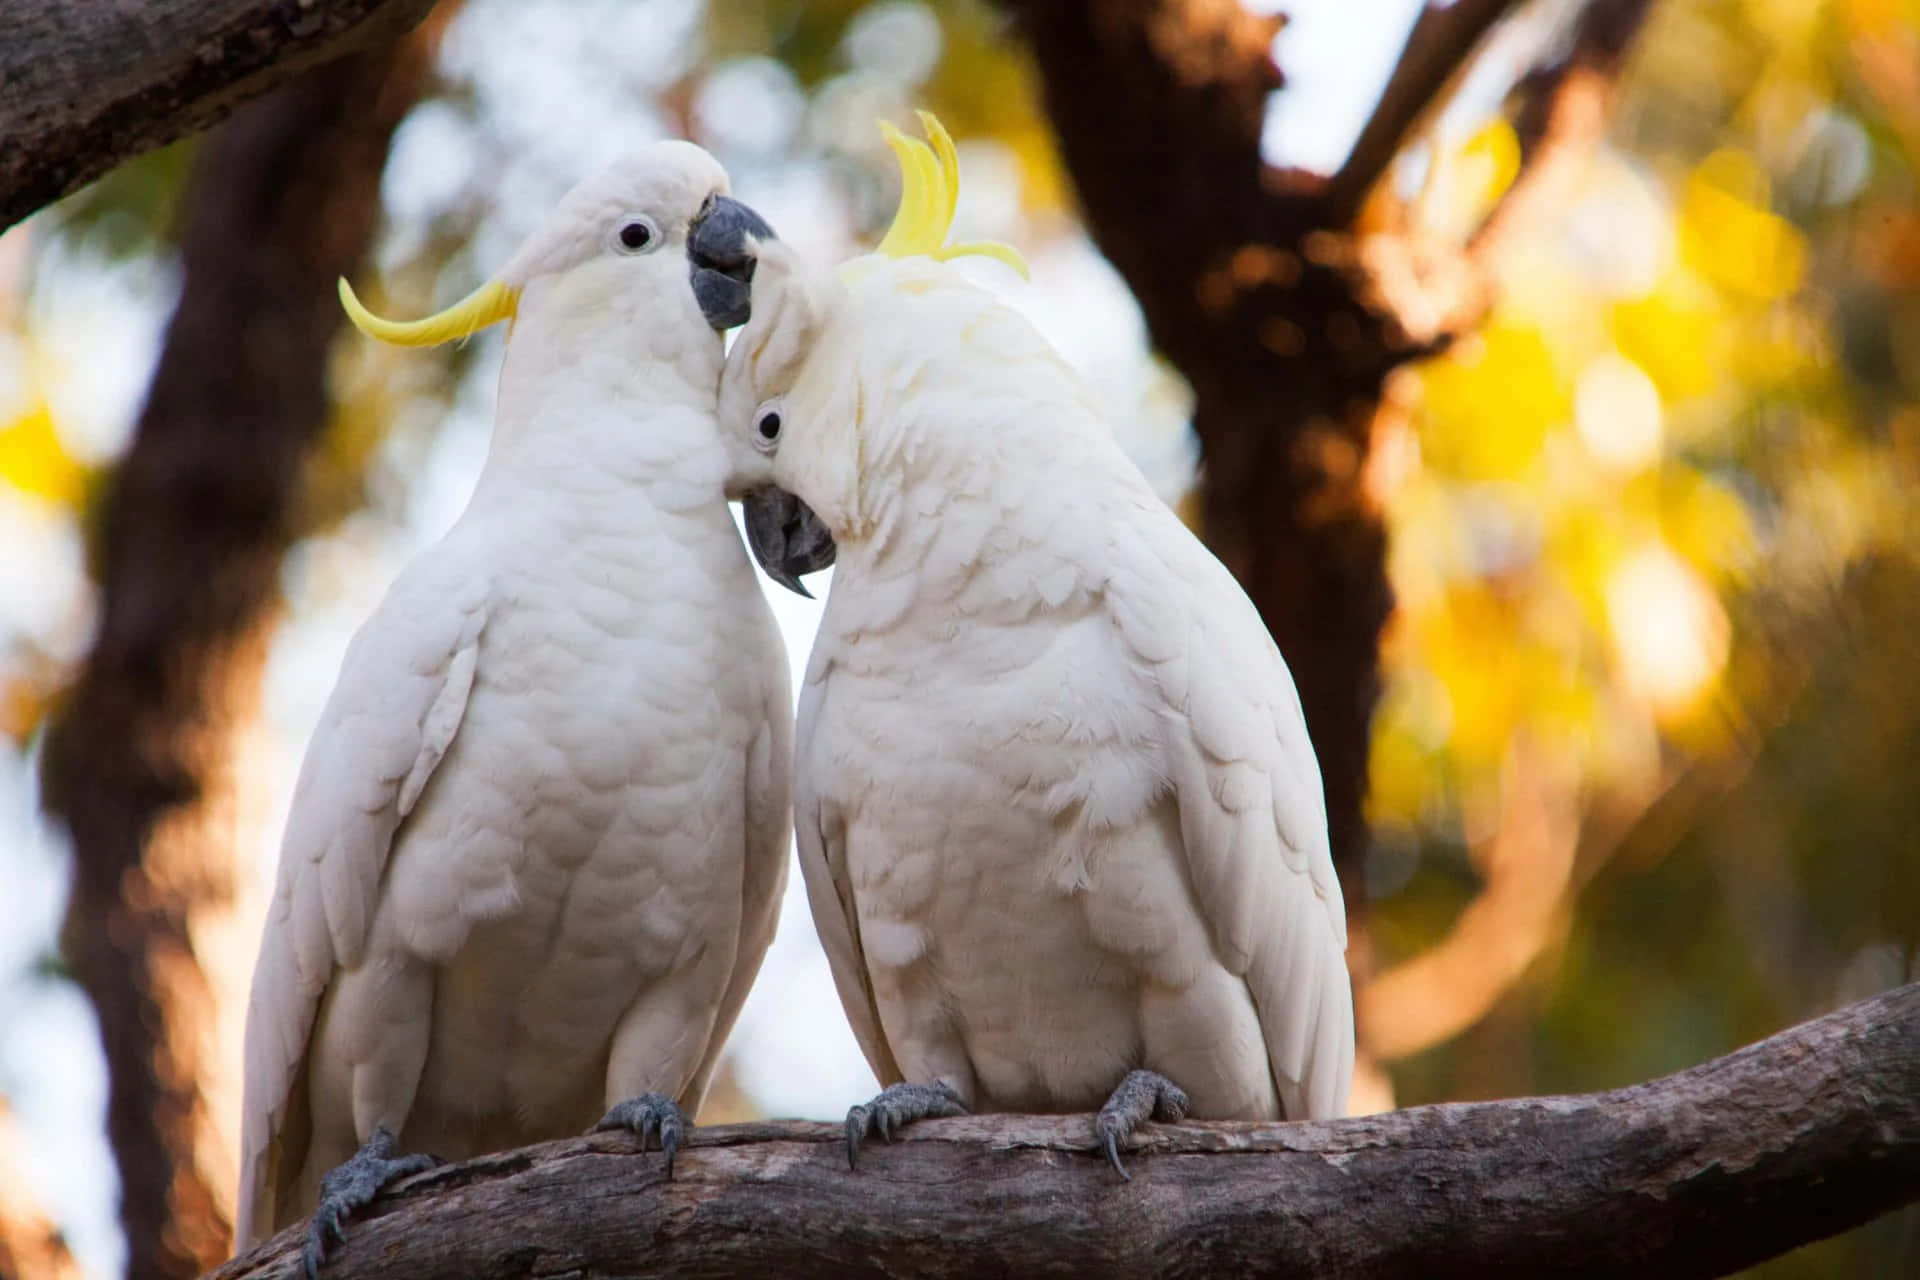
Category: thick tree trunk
[89,83]
[1698,1174]
[1159,107]
[1285,316]
[284,200]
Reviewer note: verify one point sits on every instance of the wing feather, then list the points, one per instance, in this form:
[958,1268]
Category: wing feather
[821,839]
[769,809]
[1252,814]
[402,693]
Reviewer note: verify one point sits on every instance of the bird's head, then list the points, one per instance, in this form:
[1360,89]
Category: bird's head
[653,241]
[796,398]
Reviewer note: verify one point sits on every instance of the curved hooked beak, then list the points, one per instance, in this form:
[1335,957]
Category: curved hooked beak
[786,537]
[720,254]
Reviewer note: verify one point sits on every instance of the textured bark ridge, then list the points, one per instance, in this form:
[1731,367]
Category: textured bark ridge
[85,84]
[1696,1174]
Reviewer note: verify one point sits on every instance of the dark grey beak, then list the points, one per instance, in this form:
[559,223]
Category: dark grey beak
[787,538]
[720,257]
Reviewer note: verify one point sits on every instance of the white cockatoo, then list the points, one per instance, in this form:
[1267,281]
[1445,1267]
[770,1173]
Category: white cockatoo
[537,847]
[1061,825]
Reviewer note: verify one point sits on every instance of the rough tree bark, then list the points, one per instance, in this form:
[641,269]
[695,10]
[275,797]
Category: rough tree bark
[1698,1174]
[89,83]
[283,201]
[1286,316]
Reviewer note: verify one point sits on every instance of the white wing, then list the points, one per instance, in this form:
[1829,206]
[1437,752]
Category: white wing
[1252,812]
[820,836]
[769,809]
[399,701]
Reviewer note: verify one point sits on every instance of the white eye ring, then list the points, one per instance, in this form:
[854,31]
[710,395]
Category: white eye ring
[636,233]
[768,420]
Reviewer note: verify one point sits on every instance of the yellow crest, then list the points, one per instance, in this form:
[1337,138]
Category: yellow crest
[491,303]
[929,190]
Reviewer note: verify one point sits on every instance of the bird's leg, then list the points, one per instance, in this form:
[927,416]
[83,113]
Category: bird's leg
[350,1188]
[647,1115]
[1140,1095]
[897,1105]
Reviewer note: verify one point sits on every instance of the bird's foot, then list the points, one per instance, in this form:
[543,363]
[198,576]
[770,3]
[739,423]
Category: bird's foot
[350,1188]
[897,1105]
[647,1115]
[1140,1095]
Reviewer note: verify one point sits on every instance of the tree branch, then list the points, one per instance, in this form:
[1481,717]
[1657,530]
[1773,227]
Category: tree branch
[1159,106]
[1697,1174]
[1526,869]
[1564,108]
[90,83]
[1438,47]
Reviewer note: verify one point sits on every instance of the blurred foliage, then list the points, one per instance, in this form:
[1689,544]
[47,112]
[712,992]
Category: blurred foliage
[1652,526]
[852,55]
[136,208]
[1659,528]
[36,463]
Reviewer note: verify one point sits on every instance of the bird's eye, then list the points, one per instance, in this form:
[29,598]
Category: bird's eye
[637,234]
[767,424]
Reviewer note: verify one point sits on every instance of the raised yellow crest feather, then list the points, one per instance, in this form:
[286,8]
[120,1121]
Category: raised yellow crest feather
[929,190]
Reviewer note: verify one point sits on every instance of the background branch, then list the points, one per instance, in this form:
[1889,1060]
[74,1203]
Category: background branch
[1437,50]
[1526,867]
[1562,119]
[1696,1174]
[90,83]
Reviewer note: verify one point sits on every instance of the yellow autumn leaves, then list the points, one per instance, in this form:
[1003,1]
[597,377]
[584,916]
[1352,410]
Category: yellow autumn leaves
[1566,551]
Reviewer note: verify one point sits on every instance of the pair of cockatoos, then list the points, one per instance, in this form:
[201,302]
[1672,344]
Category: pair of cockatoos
[1059,819]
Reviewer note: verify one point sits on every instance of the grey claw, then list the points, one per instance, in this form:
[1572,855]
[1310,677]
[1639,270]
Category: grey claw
[856,1129]
[353,1186]
[1140,1096]
[670,1140]
[646,1116]
[897,1106]
[1111,1141]
[407,1166]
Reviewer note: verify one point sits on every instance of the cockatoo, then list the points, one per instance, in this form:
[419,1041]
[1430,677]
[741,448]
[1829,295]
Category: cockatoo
[537,846]
[1061,826]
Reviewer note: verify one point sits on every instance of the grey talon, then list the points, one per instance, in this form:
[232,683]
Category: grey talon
[1111,1141]
[895,1107]
[351,1187]
[856,1125]
[1142,1094]
[648,1115]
